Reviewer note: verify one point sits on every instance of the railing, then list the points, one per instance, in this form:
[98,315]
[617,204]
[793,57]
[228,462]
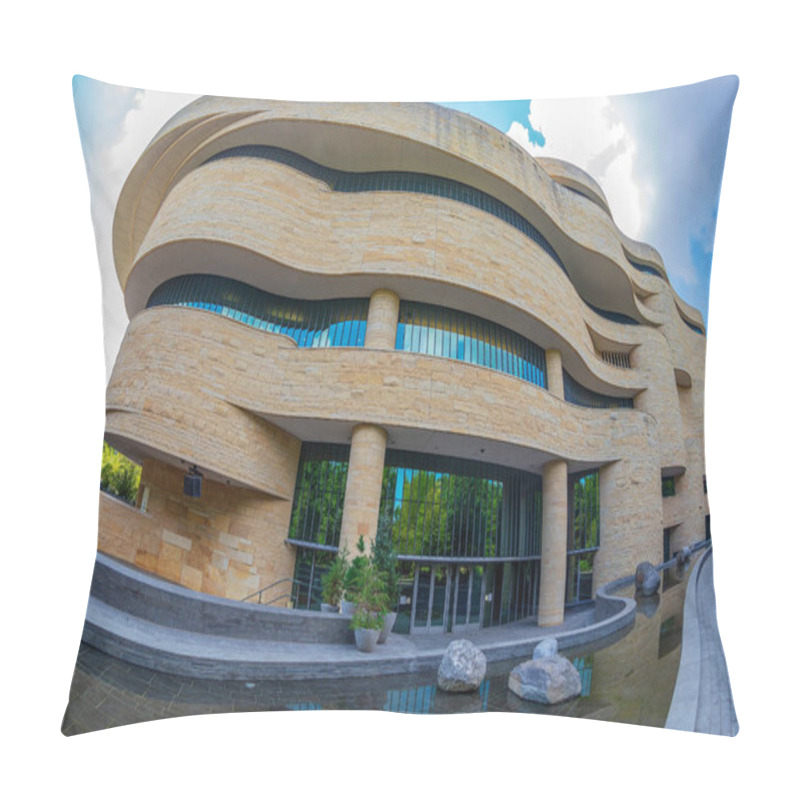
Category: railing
[683,555]
[286,595]
[616,359]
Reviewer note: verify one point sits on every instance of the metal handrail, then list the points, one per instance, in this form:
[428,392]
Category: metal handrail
[683,554]
[260,592]
[265,589]
[275,599]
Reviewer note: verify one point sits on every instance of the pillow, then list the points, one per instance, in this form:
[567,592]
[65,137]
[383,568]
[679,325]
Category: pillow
[405,392]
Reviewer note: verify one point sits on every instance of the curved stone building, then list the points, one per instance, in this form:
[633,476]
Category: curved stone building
[340,311]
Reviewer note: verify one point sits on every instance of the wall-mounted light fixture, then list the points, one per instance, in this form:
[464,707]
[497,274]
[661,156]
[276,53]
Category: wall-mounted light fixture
[193,482]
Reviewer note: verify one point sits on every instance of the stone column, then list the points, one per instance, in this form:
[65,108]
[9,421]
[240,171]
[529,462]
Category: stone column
[555,375]
[362,496]
[384,308]
[552,585]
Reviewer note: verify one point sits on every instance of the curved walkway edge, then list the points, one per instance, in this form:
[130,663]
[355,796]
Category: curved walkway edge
[117,623]
[702,699]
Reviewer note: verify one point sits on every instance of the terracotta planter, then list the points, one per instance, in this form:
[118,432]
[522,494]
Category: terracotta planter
[366,639]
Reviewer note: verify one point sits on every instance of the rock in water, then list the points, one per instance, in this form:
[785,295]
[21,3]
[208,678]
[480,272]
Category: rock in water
[547,648]
[648,578]
[547,680]
[463,667]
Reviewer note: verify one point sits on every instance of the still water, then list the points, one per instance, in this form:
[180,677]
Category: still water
[630,679]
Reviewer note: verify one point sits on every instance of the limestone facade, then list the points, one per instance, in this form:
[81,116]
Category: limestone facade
[251,193]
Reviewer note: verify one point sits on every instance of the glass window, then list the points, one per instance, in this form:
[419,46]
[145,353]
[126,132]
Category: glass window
[579,395]
[439,331]
[319,494]
[450,507]
[309,568]
[583,535]
[311,323]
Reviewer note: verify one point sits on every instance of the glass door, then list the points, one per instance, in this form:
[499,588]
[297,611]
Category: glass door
[447,598]
[431,596]
[467,603]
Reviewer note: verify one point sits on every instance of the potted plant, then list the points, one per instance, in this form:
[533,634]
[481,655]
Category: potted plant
[384,557]
[370,613]
[333,583]
[367,628]
[353,578]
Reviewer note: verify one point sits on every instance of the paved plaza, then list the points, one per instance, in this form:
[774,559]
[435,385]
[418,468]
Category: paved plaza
[107,692]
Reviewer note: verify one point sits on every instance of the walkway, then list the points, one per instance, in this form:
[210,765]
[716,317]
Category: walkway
[150,622]
[191,654]
[702,700]
[274,675]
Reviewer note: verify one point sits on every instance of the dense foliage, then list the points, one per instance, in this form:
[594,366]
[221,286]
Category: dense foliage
[119,475]
[384,556]
[445,514]
[319,502]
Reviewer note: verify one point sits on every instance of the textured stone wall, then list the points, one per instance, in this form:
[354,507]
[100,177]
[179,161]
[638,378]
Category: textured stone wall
[424,138]
[228,542]
[427,248]
[193,387]
[357,385]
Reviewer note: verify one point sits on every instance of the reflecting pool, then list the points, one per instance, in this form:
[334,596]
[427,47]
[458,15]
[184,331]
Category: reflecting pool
[629,679]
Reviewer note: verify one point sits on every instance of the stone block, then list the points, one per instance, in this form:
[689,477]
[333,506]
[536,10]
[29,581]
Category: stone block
[548,681]
[463,667]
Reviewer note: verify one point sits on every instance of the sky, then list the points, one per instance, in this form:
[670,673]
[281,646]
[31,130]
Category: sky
[658,157]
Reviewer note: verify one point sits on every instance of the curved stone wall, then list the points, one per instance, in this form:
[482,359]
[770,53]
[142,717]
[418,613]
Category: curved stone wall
[250,224]
[195,388]
[421,138]
[267,375]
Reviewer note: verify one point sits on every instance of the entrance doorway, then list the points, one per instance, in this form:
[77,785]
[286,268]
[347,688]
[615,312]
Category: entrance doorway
[447,598]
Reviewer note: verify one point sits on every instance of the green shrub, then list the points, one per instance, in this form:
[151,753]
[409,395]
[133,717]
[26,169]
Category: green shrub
[369,594]
[119,475]
[333,581]
[384,557]
[366,619]
[352,579]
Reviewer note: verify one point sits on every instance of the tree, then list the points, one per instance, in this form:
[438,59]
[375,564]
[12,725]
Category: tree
[119,476]
[384,557]
[319,502]
[444,514]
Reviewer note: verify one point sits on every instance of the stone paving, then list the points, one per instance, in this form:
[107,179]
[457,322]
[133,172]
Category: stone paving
[189,653]
[702,701]
[107,692]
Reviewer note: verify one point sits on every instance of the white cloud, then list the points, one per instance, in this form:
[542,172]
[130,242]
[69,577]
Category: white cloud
[591,134]
[519,133]
[119,125]
[148,113]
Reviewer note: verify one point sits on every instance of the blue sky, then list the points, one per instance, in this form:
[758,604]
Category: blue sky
[657,155]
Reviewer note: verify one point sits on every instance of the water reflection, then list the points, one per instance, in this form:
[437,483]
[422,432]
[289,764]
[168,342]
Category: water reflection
[629,679]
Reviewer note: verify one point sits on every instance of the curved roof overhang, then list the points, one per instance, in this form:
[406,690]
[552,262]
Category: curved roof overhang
[419,138]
